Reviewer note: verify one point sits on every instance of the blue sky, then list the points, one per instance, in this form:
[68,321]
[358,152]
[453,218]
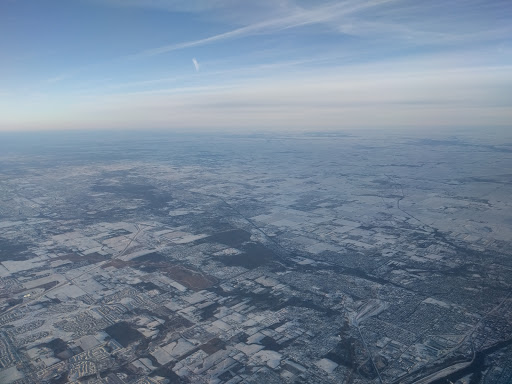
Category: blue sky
[254,65]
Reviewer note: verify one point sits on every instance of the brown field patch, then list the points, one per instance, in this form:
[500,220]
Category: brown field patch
[187,276]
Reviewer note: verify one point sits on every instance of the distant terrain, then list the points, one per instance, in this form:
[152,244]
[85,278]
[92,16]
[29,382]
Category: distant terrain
[286,258]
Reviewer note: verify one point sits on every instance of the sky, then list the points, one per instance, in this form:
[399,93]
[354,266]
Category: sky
[233,65]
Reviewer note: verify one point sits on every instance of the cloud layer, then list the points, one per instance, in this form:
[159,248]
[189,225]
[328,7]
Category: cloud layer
[476,97]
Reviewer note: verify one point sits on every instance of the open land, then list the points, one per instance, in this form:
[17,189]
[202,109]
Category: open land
[306,258]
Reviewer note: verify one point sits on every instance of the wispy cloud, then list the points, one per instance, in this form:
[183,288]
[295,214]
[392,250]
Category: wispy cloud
[238,11]
[381,19]
[172,5]
[298,18]
[196,64]
[434,22]
[58,78]
[233,74]
[144,83]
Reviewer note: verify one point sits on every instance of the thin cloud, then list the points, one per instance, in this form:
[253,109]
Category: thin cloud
[170,5]
[299,18]
[196,64]
[397,97]
[59,78]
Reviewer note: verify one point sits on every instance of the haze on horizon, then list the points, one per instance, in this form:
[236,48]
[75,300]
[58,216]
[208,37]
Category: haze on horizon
[238,65]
